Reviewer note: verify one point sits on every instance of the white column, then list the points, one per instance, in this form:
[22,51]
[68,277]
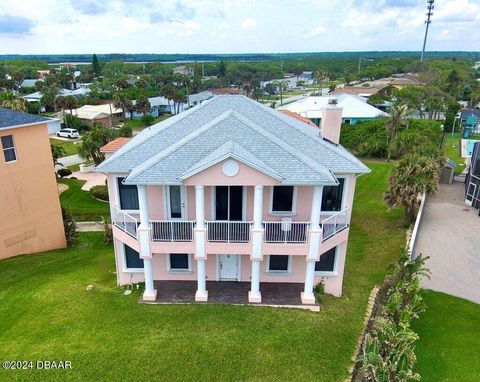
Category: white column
[254,294]
[315,237]
[150,293]
[200,255]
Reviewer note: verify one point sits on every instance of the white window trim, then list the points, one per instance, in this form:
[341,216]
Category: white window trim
[344,194]
[293,212]
[124,260]
[9,148]
[117,196]
[170,270]
[335,267]
[279,273]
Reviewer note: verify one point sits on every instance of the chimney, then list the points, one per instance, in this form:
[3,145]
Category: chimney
[331,121]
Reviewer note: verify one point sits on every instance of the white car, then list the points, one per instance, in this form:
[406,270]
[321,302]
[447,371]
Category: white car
[68,133]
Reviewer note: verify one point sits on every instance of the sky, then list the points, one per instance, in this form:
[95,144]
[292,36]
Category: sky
[233,26]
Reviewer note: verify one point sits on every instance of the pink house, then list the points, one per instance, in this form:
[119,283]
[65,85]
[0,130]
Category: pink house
[232,190]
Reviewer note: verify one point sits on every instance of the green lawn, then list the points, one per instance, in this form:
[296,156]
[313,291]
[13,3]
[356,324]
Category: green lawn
[449,345]
[46,313]
[138,125]
[70,147]
[80,203]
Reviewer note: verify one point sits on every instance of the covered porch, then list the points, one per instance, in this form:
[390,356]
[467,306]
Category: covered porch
[227,292]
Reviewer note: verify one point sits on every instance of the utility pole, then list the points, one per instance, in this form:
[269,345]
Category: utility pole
[429,14]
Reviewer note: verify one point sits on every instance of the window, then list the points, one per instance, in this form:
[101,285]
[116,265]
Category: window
[332,199]
[179,262]
[278,264]
[326,264]
[283,199]
[8,148]
[128,196]
[132,258]
[175,202]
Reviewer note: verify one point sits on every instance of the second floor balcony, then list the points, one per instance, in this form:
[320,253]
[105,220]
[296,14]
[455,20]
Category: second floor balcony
[285,231]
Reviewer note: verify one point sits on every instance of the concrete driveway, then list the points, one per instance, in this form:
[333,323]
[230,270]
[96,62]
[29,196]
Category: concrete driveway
[450,235]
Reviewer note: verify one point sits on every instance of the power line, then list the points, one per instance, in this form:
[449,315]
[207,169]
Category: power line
[429,14]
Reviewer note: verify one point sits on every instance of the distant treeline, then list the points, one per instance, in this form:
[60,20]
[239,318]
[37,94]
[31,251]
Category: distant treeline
[57,58]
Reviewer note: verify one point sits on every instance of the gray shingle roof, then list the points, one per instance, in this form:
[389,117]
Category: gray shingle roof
[237,126]
[9,118]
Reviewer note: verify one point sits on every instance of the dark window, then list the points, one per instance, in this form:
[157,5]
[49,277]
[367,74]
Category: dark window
[128,196]
[282,199]
[133,258]
[8,148]
[327,261]
[175,202]
[278,263]
[179,261]
[332,196]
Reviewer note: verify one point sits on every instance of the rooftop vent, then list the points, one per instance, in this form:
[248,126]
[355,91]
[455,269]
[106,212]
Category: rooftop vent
[333,101]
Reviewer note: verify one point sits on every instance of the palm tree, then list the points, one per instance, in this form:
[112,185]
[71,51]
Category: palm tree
[168,92]
[398,117]
[320,76]
[11,101]
[121,101]
[179,97]
[413,176]
[57,153]
[281,84]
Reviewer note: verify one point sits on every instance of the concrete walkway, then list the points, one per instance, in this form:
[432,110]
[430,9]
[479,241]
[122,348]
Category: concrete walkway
[70,160]
[450,235]
[89,227]
[91,178]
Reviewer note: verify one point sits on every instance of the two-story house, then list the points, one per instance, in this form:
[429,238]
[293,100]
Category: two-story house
[31,219]
[232,190]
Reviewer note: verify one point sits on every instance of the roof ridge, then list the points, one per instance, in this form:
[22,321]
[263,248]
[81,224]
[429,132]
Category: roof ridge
[321,141]
[172,148]
[148,133]
[230,147]
[284,145]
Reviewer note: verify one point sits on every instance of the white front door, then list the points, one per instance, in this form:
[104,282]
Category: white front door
[228,267]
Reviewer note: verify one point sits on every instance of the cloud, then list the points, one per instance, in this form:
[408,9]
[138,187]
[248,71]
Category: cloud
[318,31]
[179,12]
[15,25]
[157,17]
[88,7]
[183,11]
[248,23]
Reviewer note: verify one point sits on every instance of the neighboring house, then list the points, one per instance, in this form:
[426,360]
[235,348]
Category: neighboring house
[105,114]
[223,91]
[356,91]
[185,70]
[290,82]
[112,147]
[233,190]
[79,93]
[354,108]
[29,83]
[470,118]
[29,204]
[472,181]
[198,98]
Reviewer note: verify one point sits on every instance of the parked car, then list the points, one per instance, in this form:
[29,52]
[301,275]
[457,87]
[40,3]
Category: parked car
[68,133]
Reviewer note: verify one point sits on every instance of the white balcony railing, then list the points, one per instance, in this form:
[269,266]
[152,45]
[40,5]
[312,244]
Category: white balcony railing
[125,222]
[228,231]
[172,230]
[334,224]
[286,232]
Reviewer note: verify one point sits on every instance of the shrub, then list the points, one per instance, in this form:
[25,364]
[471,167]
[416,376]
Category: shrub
[107,230]
[69,227]
[99,192]
[148,120]
[319,290]
[64,172]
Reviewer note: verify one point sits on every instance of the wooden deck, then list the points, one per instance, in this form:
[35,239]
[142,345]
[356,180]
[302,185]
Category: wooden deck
[229,292]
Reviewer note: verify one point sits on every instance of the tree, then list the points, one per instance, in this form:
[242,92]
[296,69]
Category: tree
[148,120]
[12,101]
[94,140]
[142,104]
[397,118]
[96,69]
[320,76]
[121,101]
[168,92]
[281,84]
[57,152]
[49,93]
[222,69]
[413,176]
[179,97]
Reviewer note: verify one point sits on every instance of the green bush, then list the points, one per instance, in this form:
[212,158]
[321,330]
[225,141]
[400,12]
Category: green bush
[64,172]
[319,290]
[99,192]
[366,139]
[69,227]
[148,120]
